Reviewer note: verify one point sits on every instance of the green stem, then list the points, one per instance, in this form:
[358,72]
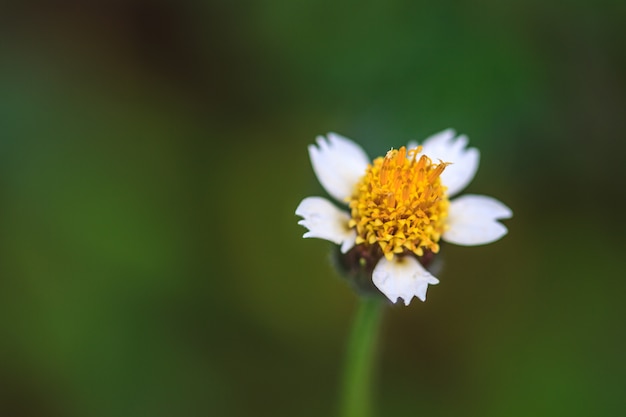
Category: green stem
[357,382]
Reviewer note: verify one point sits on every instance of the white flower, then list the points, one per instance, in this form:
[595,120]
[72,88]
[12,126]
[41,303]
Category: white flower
[399,206]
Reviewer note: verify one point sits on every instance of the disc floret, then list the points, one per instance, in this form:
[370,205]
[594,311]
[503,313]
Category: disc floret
[400,203]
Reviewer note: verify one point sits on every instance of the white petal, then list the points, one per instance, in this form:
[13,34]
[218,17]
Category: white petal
[325,221]
[443,146]
[338,163]
[472,220]
[402,277]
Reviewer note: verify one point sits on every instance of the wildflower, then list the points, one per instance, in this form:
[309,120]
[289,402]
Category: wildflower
[399,208]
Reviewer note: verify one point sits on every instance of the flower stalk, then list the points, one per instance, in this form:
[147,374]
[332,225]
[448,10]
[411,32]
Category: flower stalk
[361,352]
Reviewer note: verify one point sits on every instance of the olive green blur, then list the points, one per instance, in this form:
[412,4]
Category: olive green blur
[152,155]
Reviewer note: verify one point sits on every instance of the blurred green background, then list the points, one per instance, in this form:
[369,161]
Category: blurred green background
[152,155]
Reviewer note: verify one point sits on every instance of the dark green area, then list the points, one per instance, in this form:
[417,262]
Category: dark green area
[152,155]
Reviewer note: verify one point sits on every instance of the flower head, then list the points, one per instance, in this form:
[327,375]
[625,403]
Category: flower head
[399,207]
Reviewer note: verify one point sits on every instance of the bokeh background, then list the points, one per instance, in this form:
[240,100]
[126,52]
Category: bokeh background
[152,155]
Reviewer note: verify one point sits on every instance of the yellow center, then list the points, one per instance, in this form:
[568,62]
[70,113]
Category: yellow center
[400,203]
